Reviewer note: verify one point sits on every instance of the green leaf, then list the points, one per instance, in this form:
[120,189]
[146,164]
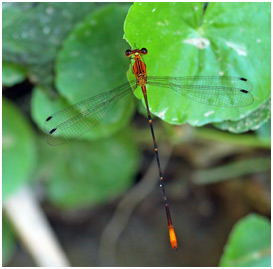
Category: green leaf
[33,33]
[12,74]
[43,105]
[184,40]
[18,148]
[92,61]
[249,243]
[8,242]
[13,11]
[251,122]
[265,131]
[88,173]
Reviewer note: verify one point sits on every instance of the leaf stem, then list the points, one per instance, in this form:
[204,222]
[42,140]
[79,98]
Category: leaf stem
[233,170]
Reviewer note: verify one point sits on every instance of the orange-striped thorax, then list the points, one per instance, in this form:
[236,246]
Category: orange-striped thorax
[139,67]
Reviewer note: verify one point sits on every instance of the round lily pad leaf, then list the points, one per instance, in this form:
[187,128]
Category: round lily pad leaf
[83,174]
[33,33]
[18,148]
[249,244]
[43,105]
[187,39]
[92,61]
[251,122]
[12,11]
[12,74]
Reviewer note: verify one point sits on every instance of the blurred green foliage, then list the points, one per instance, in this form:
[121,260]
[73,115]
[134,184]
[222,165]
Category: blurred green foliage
[33,33]
[12,74]
[91,44]
[83,173]
[19,149]
[265,131]
[8,241]
[249,244]
[71,51]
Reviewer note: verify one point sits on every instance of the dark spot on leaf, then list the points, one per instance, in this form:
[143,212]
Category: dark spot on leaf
[49,118]
[244,91]
[243,79]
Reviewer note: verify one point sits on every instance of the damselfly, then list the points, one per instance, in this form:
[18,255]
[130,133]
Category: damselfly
[77,119]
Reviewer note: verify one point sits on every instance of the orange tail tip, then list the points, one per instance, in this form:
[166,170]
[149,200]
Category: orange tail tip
[173,239]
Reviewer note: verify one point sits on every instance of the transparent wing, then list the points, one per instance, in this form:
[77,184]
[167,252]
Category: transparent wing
[78,119]
[215,91]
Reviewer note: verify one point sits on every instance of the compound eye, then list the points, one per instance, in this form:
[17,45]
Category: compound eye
[144,51]
[128,53]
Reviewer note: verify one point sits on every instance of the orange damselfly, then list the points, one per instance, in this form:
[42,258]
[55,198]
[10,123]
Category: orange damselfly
[77,119]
